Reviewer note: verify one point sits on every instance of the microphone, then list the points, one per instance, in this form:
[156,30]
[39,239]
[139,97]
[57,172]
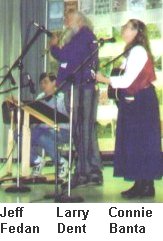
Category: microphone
[31,84]
[43,29]
[105,40]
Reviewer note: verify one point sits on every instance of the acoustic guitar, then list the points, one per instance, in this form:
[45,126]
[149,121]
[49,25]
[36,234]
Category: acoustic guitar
[114,93]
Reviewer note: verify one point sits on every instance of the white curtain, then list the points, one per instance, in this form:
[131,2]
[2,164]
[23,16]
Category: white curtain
[15,16]
[10,45]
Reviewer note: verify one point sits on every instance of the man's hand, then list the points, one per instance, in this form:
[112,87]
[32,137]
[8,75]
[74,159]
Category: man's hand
[54,41]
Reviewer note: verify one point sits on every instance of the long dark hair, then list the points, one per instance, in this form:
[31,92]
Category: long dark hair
[141,37]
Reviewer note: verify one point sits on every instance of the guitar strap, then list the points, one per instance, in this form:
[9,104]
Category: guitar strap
[119,56]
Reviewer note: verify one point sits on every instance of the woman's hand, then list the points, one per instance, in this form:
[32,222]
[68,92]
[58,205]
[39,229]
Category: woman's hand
[102,79]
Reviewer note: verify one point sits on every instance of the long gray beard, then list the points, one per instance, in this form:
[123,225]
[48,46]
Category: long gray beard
[68,34]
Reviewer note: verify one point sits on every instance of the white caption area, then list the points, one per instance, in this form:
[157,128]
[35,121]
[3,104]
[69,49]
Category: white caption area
[80,222]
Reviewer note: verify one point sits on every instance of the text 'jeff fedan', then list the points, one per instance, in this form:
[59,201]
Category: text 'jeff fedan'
[5,227]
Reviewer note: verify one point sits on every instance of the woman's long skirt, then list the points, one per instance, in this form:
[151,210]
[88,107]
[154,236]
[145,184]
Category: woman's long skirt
[138,138]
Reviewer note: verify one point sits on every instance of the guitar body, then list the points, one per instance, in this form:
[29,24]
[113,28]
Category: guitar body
[114,93]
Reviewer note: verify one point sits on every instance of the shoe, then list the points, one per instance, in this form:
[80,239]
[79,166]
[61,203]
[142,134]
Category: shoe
[76,181]
[148,189]
[63,168]
[133,192]
[95,178]
[37,161]
[37,168]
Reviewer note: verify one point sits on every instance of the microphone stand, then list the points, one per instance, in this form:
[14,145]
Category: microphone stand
[61,197]
[68,198]
[56,194]
[18,188]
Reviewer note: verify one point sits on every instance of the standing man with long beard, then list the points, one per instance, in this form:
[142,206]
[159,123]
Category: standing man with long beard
[79,43]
